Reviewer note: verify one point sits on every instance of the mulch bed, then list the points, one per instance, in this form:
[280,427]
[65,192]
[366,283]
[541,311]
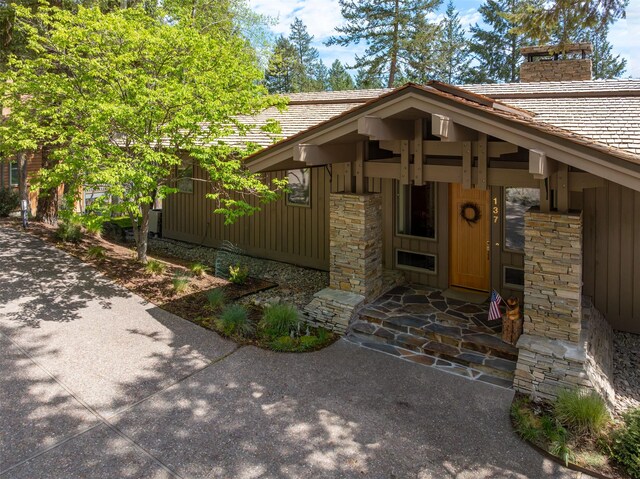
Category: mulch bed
[120,265]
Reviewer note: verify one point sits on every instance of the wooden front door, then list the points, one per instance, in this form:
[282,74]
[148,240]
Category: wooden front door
[469,238]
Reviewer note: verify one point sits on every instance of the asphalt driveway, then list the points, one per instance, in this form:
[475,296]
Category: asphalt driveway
[95,382]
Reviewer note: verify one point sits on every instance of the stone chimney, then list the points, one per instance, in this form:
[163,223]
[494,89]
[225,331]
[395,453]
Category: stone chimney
[556,63]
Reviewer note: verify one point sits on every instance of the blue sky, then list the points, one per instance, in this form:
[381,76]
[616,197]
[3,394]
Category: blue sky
[322,16]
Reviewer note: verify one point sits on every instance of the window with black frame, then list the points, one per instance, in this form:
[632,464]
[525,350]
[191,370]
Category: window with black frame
[417,210]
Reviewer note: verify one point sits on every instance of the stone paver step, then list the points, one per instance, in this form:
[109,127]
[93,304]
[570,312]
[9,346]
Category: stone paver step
[479,373]
[482,358]
[466,337]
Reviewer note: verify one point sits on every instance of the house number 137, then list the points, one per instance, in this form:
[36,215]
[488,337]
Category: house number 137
[495,210]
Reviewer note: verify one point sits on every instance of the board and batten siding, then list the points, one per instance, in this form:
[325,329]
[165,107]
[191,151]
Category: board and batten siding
[611,265]
[295,234]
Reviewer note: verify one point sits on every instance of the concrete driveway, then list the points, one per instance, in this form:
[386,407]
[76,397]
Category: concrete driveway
[95,382]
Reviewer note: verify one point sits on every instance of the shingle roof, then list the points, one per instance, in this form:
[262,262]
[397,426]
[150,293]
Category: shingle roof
[601,111]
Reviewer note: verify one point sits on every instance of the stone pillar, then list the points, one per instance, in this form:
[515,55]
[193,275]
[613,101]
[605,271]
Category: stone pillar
[355,261]
[553,275]
[560,344]
[355,243]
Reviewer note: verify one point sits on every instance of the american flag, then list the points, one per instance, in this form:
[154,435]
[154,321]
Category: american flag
[494,306]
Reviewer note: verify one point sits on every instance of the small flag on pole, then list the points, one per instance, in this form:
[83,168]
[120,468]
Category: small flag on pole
[494,306]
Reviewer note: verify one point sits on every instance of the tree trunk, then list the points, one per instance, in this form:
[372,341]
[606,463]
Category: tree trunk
[141,233]
[395,47]
[23,189]
[48,201]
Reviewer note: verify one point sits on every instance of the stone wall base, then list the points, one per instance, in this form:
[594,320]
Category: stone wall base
[333,309]
[547,366]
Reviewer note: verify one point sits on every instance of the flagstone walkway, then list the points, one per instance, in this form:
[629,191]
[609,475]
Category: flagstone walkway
[418,324]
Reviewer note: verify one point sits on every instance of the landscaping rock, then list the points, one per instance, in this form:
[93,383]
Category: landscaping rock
[296,284]
[626,371]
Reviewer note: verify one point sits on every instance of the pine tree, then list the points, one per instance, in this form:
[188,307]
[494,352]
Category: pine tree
[365,80]
[279,74]
[453,57]
[605,65]
[306,60]
[539,19]
[339,78]
[294,65]
[496,49]
[389,27]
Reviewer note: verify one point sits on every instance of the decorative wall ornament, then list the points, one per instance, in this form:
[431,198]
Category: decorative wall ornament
[470,212]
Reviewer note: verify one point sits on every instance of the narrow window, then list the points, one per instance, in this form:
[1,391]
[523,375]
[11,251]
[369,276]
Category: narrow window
[416,261]
[14,174]
[516,202]
[299,187]
[184,181]
[417,210]
[513,277]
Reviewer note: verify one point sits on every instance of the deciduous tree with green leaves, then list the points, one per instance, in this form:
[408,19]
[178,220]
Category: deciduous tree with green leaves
[389,28]
[128,100]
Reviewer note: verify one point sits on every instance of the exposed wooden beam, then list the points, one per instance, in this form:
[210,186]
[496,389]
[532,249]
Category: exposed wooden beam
[385,128]
[316,155]
[563,188]
[483,160]
[466,165]
[404,162]
[418,154]
[348,178]
[540,166]
[359,166]
[495,149]
[444,128]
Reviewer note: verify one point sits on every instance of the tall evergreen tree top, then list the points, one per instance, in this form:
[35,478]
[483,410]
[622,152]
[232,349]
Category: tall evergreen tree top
[388,27]
[339,78]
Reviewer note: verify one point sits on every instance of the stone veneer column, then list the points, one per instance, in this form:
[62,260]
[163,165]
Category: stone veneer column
[355,261]
[355,232]
[553,275]
[560,345]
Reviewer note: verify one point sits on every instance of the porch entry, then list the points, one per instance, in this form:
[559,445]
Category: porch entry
[469,238]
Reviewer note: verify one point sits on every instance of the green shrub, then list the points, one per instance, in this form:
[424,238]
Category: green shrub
[582,412]
[309,342]
[69,231]
[323,335]
[235,320]
[238,274]
[284,343]
[9,201]
[180,283]
[155,267]
[198,269]
[96,252]
[625,447]
[216,299]
[280,320]
[524,421]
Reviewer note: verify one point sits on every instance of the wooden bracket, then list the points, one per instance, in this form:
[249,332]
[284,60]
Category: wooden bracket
[385,128]
[444,128]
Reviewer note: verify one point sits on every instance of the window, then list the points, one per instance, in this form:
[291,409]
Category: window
[14,174]
[417,210]
[416,261]
[513,277]
[299,187]
[516,202]
[184,181]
